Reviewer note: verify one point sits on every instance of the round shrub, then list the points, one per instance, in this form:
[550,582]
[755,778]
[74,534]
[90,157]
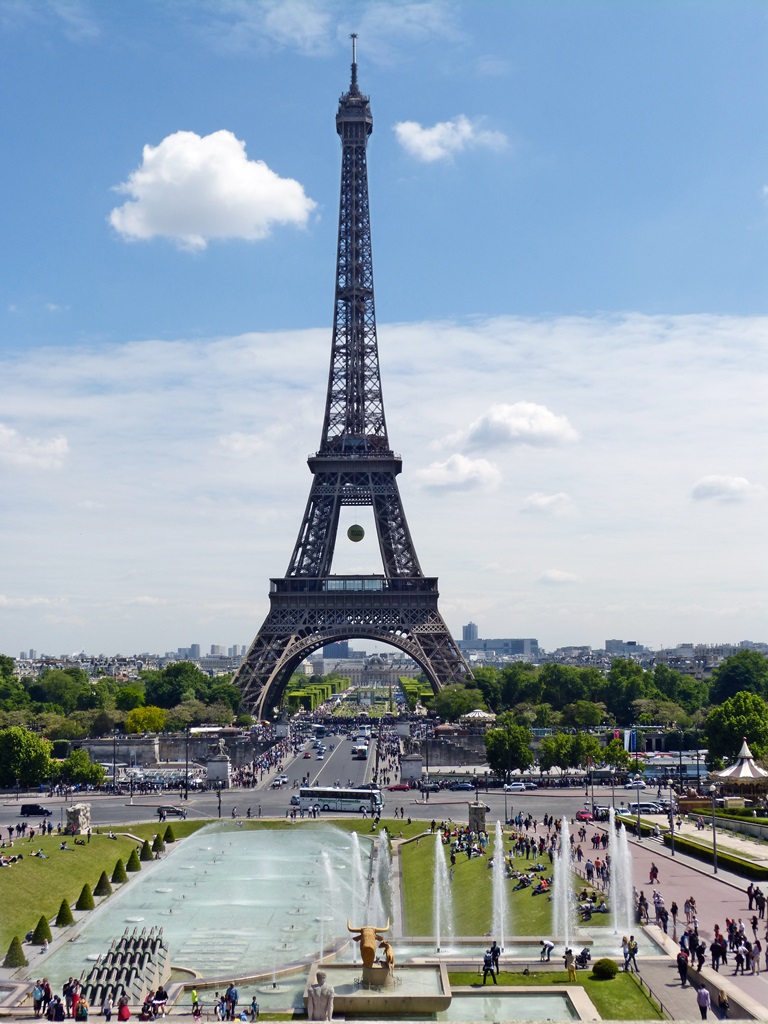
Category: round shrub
[42,932]
[15,955]
[119,875]
[64,916]
[169,837]
[85,899]
[605,969]
[103,888]
[146,851]
[158,846]
[133,863]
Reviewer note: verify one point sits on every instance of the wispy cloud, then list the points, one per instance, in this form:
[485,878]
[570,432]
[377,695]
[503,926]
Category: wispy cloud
[193,189]
[559,504]
[458,473]
[444,140]
[558,577]
[726,489]
[31,452]
[521,423]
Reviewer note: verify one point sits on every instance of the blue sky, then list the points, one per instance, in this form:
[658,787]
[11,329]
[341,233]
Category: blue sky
[570,227]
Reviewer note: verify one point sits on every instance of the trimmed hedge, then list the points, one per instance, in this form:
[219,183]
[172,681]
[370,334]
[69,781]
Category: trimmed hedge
[605,969]
[146,851]
[133,863]
[64,916]
[724,859]
[169,837]
[85,900]
[42,932]
[158,846]
[119,875]
[103,888]
[15,955]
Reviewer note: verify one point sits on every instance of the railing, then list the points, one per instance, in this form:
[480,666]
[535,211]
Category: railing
[354,584]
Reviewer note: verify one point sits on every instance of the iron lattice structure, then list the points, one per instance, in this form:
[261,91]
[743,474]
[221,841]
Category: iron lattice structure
[310,607]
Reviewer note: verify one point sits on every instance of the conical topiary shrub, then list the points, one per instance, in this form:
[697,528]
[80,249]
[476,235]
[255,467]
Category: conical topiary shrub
[85,899]
[42,932]
[133,863]
[103,888]
[169,837]
[15,955]
[64,916]
[146,851]
[119,875]
[158,846]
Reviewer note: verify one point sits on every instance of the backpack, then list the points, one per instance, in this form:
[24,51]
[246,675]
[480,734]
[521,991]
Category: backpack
[488,960]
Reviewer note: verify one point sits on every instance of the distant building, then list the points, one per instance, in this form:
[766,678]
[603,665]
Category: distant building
[217,651]
[619,648]
[337,650]
[508,647]
[469,633]
[194,652]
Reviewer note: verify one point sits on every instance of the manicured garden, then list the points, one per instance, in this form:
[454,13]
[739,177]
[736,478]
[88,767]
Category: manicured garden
[621,998]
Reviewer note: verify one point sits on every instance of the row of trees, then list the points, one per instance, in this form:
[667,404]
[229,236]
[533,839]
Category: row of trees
[26,760]
[66,704]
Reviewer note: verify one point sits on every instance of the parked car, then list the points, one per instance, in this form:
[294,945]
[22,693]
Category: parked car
[531,785]
[399,787]
[165,809]
[35,811]
[461,785]
[584,816]
[307,754]
[514,787]
[635,784]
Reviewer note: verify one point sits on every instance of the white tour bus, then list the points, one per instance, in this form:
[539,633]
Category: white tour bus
[335,798]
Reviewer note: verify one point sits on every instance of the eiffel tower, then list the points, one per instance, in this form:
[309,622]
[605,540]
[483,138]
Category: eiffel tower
[310,607]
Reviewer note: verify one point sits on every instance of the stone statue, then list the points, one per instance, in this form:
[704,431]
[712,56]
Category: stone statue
[320,999]
[222,747]
[389,956]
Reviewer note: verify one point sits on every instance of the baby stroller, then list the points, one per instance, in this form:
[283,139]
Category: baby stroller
[583,958]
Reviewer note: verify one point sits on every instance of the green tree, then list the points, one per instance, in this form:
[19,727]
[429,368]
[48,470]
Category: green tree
[24,757]
[133,863]
[614,754]
[15,955]
[744,715]
[225,693]
[102,887]
[556,751]
[13,693]
[189,712]
[563,684]
[146,851]
[79,768]
[62,687]
[487,682]
[585,750]
[456,700]
[174,684]
[64,916]
[743,672]
[85,900]
[158,846]
[626,684]
[584,714]
[508,746]
[168,836]
[119,874]
[42,932]
[147,719]
[129,697]
[520,683]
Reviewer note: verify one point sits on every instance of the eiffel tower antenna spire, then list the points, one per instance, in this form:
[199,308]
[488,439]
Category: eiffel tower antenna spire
[354,466]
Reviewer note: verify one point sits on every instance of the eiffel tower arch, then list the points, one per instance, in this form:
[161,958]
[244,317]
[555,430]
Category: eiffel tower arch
[310,607]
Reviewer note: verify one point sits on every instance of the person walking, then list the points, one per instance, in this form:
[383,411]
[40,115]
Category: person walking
[632,946]
[682,967]
[703,1001]
[488,967]
[570,965]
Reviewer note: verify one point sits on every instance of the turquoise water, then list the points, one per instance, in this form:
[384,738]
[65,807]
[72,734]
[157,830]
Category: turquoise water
[509,1006]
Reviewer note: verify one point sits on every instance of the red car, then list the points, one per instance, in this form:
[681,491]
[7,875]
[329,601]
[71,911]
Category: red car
[307,754]
[584,816]
[399,787]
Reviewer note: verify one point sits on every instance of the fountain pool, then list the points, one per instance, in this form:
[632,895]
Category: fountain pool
[230,901]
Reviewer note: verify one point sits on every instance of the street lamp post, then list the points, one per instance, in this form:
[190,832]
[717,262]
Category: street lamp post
[613,788]
[186,763]
[114,760]
[712,793]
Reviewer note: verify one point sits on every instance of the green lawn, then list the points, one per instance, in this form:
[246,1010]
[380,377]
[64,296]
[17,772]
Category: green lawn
[472,894]
[619,999]
[34,886]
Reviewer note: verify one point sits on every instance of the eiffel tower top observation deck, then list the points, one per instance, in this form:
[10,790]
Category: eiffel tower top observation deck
[310,607]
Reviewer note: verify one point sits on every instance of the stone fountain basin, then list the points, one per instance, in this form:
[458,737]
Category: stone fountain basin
[417,989]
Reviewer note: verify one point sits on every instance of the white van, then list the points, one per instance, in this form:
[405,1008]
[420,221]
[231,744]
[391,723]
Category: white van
[645,808]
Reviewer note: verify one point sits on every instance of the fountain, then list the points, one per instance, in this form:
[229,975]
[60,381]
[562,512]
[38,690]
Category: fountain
[564,905]
[380,902]
[442,898]
[621,895]
[500,908]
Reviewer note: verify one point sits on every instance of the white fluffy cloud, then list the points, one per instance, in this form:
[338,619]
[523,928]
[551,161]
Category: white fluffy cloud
[559,504]
[31,452]
[241,446]
[458,473]
[520,423]
[446,138]
[192,189]
[558,577]
[725,488]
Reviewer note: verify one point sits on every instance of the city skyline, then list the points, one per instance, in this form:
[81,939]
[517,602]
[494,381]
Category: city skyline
[569,235]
